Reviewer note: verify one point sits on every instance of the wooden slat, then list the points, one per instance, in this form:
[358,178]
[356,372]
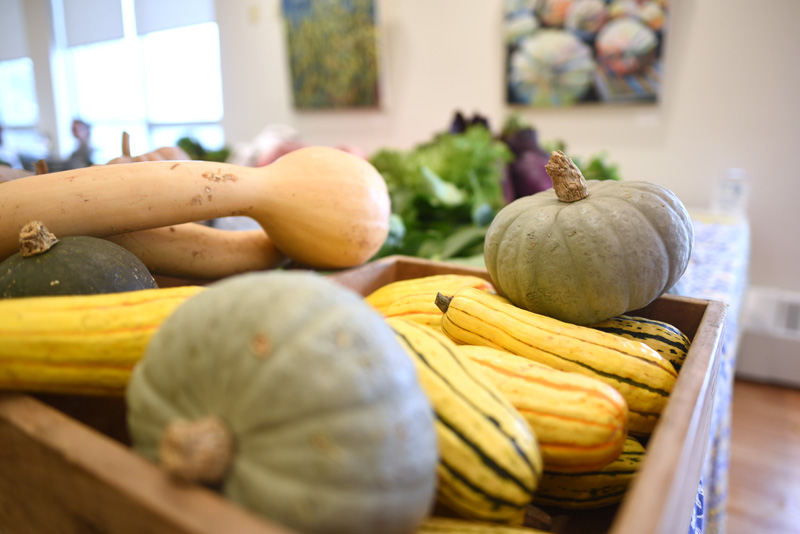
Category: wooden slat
[661,497]
[56,475]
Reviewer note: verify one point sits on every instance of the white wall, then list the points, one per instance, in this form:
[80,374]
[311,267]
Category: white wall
[730,100]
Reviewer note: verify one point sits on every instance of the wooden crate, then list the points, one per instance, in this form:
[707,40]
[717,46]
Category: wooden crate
[66,465]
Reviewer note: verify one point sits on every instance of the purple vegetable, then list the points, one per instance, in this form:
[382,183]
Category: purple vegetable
[526,174]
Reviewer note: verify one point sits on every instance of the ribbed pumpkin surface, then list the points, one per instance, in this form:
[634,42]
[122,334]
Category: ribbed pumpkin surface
[332,432]
[582,262]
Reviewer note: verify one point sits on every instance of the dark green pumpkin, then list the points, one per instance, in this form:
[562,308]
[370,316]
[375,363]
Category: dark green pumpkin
[73,265]
[584,252]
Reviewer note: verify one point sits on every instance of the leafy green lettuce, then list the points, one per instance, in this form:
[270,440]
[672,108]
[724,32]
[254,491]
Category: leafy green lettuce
[444,194]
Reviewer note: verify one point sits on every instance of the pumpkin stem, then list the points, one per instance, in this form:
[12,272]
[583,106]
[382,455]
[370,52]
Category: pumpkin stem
[568,181]
[35,238]
[197,451]
[443,302]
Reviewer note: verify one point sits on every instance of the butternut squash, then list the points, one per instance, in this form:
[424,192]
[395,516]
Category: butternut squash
[321,207]
[198,252]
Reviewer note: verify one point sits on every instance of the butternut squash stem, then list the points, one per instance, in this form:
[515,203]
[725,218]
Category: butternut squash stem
[41,167]
[126,144]
[568,181]
[197,451]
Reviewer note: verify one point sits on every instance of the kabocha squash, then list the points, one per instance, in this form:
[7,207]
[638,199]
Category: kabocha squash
[415,298]
[640,374]
[580,422]
[596,489]
[83,344]
[584,252]
[321,207]
[664,338]
[73,265]
[312,408]
[490,460]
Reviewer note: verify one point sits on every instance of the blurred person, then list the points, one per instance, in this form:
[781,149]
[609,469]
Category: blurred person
[82,156]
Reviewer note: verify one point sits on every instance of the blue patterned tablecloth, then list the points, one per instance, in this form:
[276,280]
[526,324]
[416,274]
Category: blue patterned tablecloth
[718,270]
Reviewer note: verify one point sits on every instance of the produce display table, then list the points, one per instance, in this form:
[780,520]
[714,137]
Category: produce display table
[718,270]
[67,466]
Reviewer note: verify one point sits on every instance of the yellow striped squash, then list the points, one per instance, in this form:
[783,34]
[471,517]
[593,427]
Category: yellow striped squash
[664,338]
[594,489]
[81,344]
[580,422]
[490,461]
[643,377]
[415,298]
[448,525]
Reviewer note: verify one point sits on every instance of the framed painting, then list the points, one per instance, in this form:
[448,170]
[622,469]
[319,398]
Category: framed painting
[567,52]
[333,55]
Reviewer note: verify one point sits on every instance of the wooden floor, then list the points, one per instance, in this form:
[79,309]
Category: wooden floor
[764,476]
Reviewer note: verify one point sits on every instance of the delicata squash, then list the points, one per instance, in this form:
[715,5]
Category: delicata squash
[490,462]
[415,298]
[81,344]
[643,377]
[580,422]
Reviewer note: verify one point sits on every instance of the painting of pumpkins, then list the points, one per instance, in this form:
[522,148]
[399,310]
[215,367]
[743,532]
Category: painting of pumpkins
[565,52]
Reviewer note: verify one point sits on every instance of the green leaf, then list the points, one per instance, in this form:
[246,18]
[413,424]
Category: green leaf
[463,238]
[441,192]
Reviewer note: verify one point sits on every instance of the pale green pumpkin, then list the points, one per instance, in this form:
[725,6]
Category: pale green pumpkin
[304,390]
[586,251]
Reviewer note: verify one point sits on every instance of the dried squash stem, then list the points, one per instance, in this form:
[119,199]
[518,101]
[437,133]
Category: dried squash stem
[568,181]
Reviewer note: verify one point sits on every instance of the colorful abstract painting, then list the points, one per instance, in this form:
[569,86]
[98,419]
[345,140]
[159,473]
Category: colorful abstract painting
[332,53]
[566,52]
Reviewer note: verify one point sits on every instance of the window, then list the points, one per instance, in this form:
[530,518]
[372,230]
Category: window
[158,87]
[19,111]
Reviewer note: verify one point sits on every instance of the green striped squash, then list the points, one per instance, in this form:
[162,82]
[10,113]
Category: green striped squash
[490,462]
[664,338]
[595,489]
